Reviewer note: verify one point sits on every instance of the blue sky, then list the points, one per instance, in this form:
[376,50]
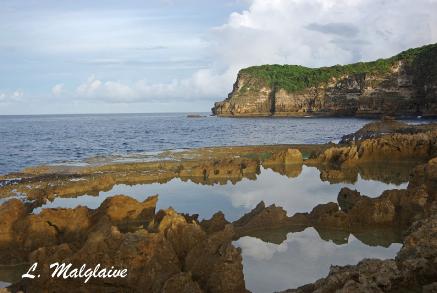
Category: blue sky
[182,55]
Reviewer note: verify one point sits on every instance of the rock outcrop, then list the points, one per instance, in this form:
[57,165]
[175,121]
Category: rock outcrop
[404,85]
[415,267]
[377,142]
[163,252]
[354,212]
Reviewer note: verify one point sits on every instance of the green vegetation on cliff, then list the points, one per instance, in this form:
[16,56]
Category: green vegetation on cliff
[294,78]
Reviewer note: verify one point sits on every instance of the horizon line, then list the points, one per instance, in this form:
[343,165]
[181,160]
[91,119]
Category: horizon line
[106,113]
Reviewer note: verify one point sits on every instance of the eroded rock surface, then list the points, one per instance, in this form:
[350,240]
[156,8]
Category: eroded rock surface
[164,252]
[415,144]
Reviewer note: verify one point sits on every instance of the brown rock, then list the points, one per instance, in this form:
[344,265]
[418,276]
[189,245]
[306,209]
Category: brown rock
[329,215]
[261,217]
[51,227]
[10,212]
[293,156]
[347,198]
[170,255]
[215,224]
[216,263]
[181,283]
[122,209]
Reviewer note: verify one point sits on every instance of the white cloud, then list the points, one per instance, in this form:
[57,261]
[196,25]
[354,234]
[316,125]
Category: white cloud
[306,32]
[285,31]
[11,97]
[58,89]
[258,249]
[203,83]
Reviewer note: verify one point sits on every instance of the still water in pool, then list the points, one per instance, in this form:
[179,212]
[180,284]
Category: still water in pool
[281,259]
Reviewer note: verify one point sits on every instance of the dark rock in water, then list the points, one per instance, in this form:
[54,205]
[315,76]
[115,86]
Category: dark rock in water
[195,116]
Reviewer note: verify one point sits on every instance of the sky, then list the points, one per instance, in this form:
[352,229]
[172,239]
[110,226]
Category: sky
[135,56]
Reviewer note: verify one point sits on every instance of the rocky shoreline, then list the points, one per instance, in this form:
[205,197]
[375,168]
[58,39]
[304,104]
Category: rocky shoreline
[166,251]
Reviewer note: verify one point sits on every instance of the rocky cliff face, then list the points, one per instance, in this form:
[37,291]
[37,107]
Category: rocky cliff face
[404,85]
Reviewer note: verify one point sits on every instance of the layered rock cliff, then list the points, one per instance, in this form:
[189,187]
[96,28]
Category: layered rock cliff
[403,85]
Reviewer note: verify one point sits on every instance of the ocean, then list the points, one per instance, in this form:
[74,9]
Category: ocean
[47,139]
[52,139]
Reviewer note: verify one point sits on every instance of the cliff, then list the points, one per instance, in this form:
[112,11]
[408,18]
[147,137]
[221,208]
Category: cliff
[403,85]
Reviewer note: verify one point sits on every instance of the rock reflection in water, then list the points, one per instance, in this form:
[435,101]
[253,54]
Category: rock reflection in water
[294,194]
[390,173]
[303,257]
